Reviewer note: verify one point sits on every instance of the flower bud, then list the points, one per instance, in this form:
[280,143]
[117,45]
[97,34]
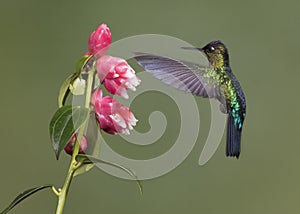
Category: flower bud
[78,86]
[100,40]
[117,76]
[70,146]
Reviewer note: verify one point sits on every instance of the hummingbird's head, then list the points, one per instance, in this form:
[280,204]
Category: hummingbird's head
[216,53]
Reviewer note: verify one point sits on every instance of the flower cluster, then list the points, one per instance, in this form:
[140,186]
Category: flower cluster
[116,75]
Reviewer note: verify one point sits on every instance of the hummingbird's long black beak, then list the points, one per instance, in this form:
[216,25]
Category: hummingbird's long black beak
[192,48]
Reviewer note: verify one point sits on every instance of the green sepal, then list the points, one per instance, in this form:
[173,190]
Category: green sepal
[65,122]
[23,196]
[81,62]
[87,159]
[64,89]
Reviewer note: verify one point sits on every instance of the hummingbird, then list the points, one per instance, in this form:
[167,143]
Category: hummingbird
[215,81]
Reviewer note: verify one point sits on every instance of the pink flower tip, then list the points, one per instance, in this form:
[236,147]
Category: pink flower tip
[87,54]
[70,146]
[100,40]
[112,116]
[117,76]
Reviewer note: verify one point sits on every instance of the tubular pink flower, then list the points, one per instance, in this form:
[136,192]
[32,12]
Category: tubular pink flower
[100,40]
[116,75]
[112,116]
[70,146]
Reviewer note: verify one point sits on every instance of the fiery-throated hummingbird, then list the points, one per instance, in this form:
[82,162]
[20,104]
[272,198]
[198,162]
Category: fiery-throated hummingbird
[213,81]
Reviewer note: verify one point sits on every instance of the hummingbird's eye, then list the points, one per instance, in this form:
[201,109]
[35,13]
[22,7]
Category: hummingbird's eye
[212,48]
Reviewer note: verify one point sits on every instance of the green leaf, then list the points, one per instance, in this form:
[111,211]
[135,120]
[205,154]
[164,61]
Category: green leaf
[65,122]
[23,196]
[87,159]
[82,62]
[64,89]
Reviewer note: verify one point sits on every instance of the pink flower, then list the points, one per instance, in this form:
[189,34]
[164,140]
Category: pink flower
[112,116]
[70,146]
[100,40]
[116,75]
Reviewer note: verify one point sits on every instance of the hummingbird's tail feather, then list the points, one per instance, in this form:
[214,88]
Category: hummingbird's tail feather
[233,143]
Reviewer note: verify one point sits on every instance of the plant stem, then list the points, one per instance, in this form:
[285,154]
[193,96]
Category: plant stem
[62,195]
[64,191]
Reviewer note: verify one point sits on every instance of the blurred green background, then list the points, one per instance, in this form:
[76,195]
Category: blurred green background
[40,41]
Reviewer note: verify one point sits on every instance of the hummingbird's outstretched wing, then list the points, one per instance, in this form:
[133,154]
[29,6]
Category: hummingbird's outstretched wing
[186,76]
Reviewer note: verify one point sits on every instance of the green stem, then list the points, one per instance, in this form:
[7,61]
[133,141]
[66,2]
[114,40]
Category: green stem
[62,194]
[64,191]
